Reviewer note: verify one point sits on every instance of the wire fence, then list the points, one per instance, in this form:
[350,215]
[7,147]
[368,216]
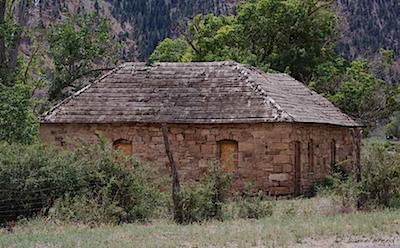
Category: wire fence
[24,203]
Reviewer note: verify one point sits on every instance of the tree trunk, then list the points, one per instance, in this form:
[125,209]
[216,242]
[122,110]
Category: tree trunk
[176,188]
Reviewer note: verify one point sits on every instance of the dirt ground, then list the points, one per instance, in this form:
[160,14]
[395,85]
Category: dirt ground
[354,242]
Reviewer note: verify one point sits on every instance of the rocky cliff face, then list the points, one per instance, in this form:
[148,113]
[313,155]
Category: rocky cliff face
[140,24]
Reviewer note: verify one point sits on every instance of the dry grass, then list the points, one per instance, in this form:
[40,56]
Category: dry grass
[300,223]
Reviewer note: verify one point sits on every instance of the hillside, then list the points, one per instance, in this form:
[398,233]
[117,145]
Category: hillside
[141,24]
[138,24]
[368,26]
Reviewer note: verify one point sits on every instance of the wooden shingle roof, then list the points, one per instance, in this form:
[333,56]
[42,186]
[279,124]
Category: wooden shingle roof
[198,93]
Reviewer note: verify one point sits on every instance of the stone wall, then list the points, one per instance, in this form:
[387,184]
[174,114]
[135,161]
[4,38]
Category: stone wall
[266,152]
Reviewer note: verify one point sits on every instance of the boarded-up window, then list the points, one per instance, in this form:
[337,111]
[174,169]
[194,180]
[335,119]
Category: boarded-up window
[228,155]
[124,145]
[311,155]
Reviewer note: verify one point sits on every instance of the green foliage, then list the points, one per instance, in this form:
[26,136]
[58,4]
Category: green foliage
[17,119]
[88,210]
[329,75]
[381,175]
[214,38]
[293,36]
[254,207]
[171,51]
[18,123]
[344,190]
[380,180]
[113,179]
[77,46]
[356,93]
[32,177]
[93,183]
[355,89]
[393,128]
[204,200]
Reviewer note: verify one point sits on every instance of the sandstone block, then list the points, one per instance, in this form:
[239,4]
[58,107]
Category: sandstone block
[246,146]
[280,190]
[280,177]
[207,149]
[205,132]
[157,139]
[287,168]
[203,163]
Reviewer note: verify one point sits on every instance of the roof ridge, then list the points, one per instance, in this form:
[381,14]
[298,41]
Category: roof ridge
[47,115]
[280,114]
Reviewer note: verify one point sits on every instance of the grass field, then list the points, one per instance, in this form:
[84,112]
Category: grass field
[294,223]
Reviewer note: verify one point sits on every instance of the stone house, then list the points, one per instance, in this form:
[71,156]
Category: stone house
[266,129]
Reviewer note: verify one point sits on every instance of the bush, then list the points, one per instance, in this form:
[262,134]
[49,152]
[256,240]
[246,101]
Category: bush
[254,208]
[32,177]
[343,190]
[84,209]
[380,175]
[92,183]
[380,179]
[393,128]
[248,205]
[114,179]
[203,201]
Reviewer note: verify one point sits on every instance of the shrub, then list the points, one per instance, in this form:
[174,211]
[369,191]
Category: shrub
[248,205]
[203,201]
[32,177]
[254,208]
[84,209]
[393,128]
[380,179]
[115,187]
[114,179]
[380,174]
[343,190]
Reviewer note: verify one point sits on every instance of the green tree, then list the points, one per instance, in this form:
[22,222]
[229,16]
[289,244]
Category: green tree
[215,38]
[170,50]
[292,36]
[78,47]
[362,95]
[288,35]
[18,122]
